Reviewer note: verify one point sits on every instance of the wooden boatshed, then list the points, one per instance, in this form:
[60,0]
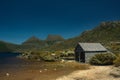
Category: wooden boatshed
[84,51]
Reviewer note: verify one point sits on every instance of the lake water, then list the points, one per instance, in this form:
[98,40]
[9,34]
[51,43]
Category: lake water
[10,61]
[9,58]
[20,69]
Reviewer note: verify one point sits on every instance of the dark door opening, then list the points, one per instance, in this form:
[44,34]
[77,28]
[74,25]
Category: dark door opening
[77,56]
[82,57]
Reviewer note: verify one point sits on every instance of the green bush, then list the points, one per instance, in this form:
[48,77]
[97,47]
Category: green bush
[117,61]
[103,59]
[48,58]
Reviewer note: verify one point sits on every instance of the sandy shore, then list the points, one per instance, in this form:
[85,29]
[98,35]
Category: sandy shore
[50,71]
[39,71]
[33,74]
[95,73]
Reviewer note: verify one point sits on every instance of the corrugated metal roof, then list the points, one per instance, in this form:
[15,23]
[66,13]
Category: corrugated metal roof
[92,47]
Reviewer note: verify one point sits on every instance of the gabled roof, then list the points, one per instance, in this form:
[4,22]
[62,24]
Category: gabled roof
[92,47]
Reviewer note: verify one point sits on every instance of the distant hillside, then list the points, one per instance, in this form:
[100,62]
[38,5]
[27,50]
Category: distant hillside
[4,47]
[103,33]
[35,43]
[32,43]
[32,40]
[54,38]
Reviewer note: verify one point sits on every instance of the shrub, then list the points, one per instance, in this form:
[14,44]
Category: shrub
[103,59]
[117,61]
[48,58]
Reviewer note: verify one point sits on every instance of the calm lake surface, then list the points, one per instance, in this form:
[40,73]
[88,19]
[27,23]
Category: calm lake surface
[9,58]
[10,61]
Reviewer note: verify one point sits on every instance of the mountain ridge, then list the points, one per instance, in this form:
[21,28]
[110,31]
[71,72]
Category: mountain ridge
[105,32]
[54,37]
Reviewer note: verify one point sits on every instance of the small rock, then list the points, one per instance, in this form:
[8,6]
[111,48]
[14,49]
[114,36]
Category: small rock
[62,61]
[55,69]
[40,71]
[53,54]
[7,74]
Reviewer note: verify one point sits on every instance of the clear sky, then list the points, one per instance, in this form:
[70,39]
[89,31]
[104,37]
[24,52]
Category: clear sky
[21,19]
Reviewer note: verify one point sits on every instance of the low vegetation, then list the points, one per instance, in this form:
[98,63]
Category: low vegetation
[115,72]
[103,59]
[49,56]
[117,61]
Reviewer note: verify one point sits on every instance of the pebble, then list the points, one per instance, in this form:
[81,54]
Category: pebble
[7,74]
[62,60]
[55,69]
[40,71]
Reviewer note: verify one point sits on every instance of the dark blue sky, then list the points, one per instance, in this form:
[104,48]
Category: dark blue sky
[20,19]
